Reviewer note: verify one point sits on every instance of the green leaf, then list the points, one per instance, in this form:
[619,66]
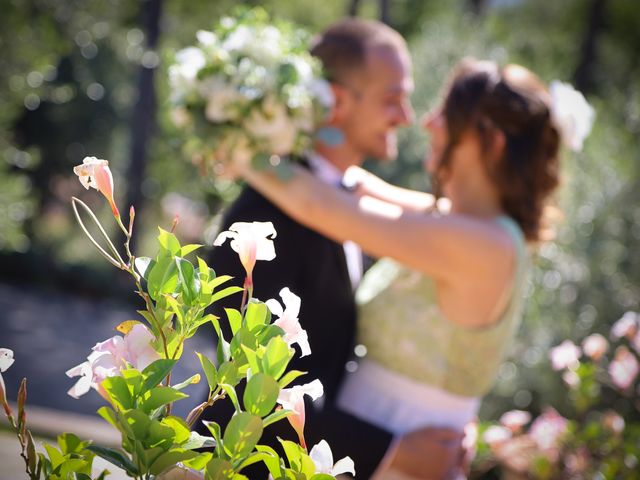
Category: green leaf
[70,443]
[118,391]
[233,396]
[267,332]
[257,314]
[276,357]
[189,283]
[198,441]
[209,371]
[235,319]
[170,458]
[163,277]
[192,380]
[272,461]
[225,293]
[294,452]
[180,428]
[289,377]
[187,249]
[156,372]
[138,423]
[260,394]
[242,434]
[215,430]
[169,241]
[219,469]
[118,458]
[228,373]
[252,358]
[159,396]
[276,416]
[323,476]
[199,462]
[255,457]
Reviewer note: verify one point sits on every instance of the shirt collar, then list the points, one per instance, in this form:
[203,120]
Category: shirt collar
[325,171]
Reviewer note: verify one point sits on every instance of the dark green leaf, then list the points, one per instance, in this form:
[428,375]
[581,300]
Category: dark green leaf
[209,371]
[170,458]
[219,469]
[118,458]
[156,372]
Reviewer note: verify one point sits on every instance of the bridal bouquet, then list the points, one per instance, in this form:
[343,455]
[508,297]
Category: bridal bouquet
[249,87]
[133,371]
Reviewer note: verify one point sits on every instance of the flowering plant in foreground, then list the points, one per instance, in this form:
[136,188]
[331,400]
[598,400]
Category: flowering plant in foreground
[595,441]
[249,87]
[132,371]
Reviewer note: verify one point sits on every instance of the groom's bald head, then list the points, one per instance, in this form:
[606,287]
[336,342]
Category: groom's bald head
[343,48]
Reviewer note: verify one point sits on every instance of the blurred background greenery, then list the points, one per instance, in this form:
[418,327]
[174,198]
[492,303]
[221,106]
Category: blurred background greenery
[88,77]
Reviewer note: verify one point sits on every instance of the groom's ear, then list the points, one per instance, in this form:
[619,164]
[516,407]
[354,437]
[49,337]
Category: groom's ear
[341,102]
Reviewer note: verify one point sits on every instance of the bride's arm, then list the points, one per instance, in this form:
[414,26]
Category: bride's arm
[373,186]
[448,248]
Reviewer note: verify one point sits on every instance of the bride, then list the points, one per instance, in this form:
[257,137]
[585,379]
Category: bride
[439,312]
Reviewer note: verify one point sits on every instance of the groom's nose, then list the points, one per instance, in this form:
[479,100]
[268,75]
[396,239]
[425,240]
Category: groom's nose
[405,114]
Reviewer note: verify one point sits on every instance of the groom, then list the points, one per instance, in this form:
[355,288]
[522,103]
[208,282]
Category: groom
[369,68]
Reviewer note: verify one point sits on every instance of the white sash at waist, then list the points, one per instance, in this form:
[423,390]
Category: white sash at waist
[399,404]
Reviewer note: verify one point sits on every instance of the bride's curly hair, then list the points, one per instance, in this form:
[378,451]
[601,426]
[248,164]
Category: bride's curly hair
[484,97]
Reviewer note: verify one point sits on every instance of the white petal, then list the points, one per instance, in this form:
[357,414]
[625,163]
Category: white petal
[322,457]
[344,465]
[81,387]
[302,339]
[274,306]
[222,236]
[291,302]
[314,389]
[6,359]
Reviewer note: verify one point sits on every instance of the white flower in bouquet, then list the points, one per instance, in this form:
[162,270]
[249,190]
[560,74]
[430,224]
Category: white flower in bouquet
[250,78]
[273,125]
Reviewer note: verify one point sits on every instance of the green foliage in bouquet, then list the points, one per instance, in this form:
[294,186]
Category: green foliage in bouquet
[133,372]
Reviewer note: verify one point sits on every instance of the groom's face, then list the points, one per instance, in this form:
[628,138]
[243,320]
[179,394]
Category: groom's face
[378,103]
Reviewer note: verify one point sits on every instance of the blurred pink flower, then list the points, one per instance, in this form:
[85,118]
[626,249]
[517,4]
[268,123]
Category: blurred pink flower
[293,399]
[571,378]
[623,368]
[547,429]
[613,421]
[595,346]
[496,435]
[514,420]
[251,241]
[322,457]
[288,320]
[626,326]
[635,343]
[95,173]
[565,355]
[111,356]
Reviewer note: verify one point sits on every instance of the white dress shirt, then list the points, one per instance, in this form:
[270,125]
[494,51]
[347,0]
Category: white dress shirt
[329,174]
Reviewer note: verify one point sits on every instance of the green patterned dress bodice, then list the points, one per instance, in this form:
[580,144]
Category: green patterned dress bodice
[401,325]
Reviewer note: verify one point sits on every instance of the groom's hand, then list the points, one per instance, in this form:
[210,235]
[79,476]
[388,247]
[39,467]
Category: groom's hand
[429,453]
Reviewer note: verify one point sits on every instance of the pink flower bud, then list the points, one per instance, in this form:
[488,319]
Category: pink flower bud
[595,346]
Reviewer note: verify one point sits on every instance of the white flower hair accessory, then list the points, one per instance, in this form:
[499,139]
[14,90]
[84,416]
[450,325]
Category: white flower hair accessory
[571,114]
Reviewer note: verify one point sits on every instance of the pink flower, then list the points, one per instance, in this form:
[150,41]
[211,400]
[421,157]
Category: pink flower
[514,420]
[635,343]
[627,326]
[322,457]
[108,358]
[547,429]
[623,368]
[595,346]
[496,435]
[288,320]
[252,241]
[293,399]
[565,355]
[95,173]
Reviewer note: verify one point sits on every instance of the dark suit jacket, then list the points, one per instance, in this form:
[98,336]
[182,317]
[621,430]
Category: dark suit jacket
[314,268]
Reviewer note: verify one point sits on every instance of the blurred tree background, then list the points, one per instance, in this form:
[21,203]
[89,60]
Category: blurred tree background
[88,77]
